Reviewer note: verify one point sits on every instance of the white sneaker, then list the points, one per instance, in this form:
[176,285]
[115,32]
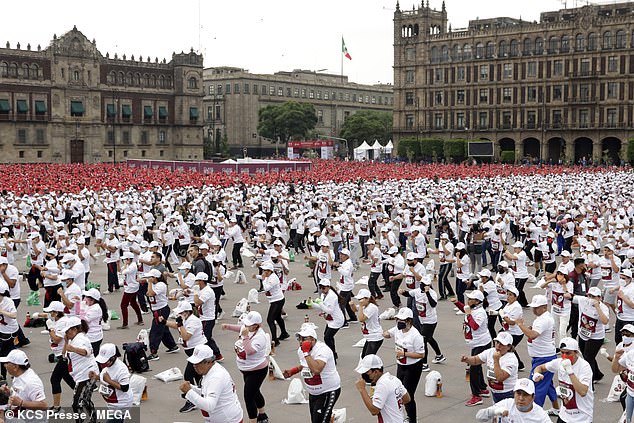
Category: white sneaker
[459,313]
[221,315]
[456,309]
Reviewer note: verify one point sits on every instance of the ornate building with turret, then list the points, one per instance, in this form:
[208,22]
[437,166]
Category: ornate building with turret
[68,103]
[557,89]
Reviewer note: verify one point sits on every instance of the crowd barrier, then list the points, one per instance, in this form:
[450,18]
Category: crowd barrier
[210,167]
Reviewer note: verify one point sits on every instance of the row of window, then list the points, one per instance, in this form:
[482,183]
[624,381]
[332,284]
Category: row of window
[137,80]
[529,119]
[297,92]
[552,45]
[40,153]
[144,137]
[124,113]
[23,108]
[585,92]
[24,71]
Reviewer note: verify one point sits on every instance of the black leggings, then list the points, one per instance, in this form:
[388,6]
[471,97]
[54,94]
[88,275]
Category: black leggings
[344,304]
[371,347]
[444,286]
[275,316]
[321,406]
[491,325]
[95,347]
[329,339]
[373,285]
[190,374]
[428,335]
[516,340]
[410,376]
[519,284]
[235,254]
[60,372]
[476,378]
[82,401]
[590,349]
[253,398]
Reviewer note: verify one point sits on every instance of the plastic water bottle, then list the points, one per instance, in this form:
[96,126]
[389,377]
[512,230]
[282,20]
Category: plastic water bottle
[439,388]
[306,319]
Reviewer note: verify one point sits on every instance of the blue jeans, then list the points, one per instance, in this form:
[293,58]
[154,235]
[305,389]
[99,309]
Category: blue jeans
[629,408]
[499,396]
[545,386]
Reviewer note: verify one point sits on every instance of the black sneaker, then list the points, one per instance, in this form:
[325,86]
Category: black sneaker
[153,357]
[173,350]
[263,418]
[187,407]
[284,336]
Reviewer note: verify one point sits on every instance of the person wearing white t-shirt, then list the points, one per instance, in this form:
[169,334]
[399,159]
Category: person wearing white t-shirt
[624,303]
[55,323]
[252,359]
[375,257]
[27,389]
[321,379]
[560,290]
[71,295]
[275,296]
[509,314]
[623,364]
[346,284]
[501,366]
[368,315]
[594,315]
[235,233]
[157,293]
[112,246]
[129,270]
[8,323]
[216,398]
[519,409]
[518,260]
[328,304]
[114,378]
[96,313]
[389,396]
[410,350]
[610,270]
[574,376]
[205,302]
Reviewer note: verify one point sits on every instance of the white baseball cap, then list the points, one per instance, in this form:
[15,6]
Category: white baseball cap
[267,265]
[252,318]
[54,306]
[307,331]
[183,306]
[538,301]
[153,273]
[345,251]
[363,293]
[526,385]
[201,352]
[504,338]
[569,344]
[404,314]
[201,276]
[106,352]
[93,293]
[324,282]
[16,357]
[71,322]
[370,361]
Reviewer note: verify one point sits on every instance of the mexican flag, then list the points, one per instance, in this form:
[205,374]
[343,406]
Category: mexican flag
[344,50]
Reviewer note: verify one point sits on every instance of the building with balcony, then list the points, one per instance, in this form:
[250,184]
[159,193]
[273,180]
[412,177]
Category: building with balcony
[561,88]
[234,96]
[69,103]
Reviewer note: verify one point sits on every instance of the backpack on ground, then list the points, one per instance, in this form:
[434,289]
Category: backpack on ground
[135,358]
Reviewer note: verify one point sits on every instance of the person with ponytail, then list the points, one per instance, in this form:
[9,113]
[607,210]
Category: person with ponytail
[56,322]
[96,313]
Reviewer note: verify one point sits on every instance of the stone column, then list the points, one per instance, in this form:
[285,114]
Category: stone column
[519,148]
[596,151]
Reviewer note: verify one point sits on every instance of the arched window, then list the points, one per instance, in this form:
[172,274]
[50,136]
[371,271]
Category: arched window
[76,75]
[553,45]
[539,46]
[416,30]
[445,54]
[620,39]
[404,31]
[514,48]
[490,50]
[161,81]
[137,79]
[479,51]
[153,81]
[4,69]
[13,70]
[607,40]
[592,41]
[503,49]
[146,77]
[457,53]
[121,78]
[169,82]
[192,83]
[26,71]
[466,52]
[565,44]
[527,47]
[129,78]
[579,42]
[35,71]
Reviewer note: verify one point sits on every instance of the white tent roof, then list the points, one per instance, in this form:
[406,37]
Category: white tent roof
[363,146]
[376,145]
[389,146]
[229,161]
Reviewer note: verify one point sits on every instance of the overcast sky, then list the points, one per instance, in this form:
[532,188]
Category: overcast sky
[262,36]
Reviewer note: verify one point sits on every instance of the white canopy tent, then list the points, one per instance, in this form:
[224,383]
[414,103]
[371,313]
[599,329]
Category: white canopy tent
[388,147]
[376,147]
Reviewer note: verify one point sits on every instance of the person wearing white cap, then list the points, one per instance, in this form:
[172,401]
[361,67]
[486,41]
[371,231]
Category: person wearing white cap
[520,408]
[477,336]
[55,324]
[9,274]
[318,369]
[388,396]
[112,247]
[575,383]
[252,360]
[374,252]
[114,378]
[96,313]
[594,315]
[51,272]
[610,275]
[489,288]
[333,232]
[423,302]
[190,330]
[510,313]
[216,398]
[560,290]
[518,260]
[205,301]
[446,258]
[368,315]
[394,265]
[501,366]
[234,232]
[346,284]
[69,293]
[27,389]
[8,324]
[624,303]
[623,364]
[363,229]
[216,282]
[322,262]
[37,252]
[129,270]
[410,350]
[81,361]
[567,232]
[275,296]
[157,298]
[328,303]
[541,346]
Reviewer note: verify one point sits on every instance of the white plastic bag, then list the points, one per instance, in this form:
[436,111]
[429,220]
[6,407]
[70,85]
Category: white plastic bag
[143,337]
[137,385]
[253,296]
[388,314]
[531,279]
[296,394]
[170,375]
[617,387]
[339,415]
[360,343]
[431,265]
[246,253]
[431,383]
[362,281]
[240,277]
[241,308]
[277,371]
[105,325]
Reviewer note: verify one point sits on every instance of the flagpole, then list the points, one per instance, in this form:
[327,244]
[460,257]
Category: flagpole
[342,59]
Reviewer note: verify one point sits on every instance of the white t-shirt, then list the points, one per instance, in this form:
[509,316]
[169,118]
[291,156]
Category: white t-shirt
[207,310]
[29,387]
[558,304]
[513,312]
[79,365]
[577,409]
[194,326]
[59,324]
[217,399]
[8,325]
[536,415]
[608,275]
[492,297]
[93,317]
[408,277]
[388,397]
[13,274]
[159,300]
[371,328]
[481,335]
[272,288]
[130,284]
[623,311]
[331,310]
[259,342]
[328,380]
[544,344]
[590,325]
[410,341]
[346,280]
[627,361]
[426,313]
[116,398]
[508,363]
[73,294]
[519,265]
[504,282]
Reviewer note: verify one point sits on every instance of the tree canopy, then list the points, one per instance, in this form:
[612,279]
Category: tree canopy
[368,125]
[289,120]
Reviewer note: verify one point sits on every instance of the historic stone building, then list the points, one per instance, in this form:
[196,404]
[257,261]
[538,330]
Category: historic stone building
[233,97]
[69,103]
[561,88]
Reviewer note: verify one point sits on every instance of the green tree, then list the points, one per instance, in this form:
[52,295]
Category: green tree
[289,120]
[368,125]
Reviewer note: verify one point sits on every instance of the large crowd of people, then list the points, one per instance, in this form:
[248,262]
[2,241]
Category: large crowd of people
[471,242]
